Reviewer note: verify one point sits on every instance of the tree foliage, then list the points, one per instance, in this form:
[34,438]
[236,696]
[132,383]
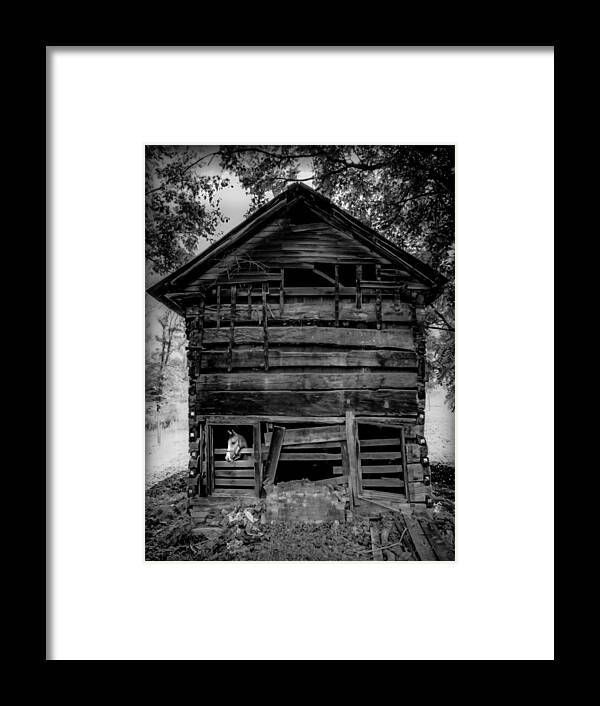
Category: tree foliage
[182,206]
[406,193]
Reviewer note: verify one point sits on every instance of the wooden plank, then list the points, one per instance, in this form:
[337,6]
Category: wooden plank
[336,301]
[311,435]
[314,456]
[265,324]
[379,442]
[307,381]
[318,310]
[218,306]
[401,338]
[318,446]
[222,419]
[415,472]
[282,294]
[382,483]
[274,452]
[418,537]
[345,468]
[307,404]
[376,455]
[441,548]
[231,328]
[257,444]
[241,473]
[340,480]
[254,358]
[352,442]
[417,488]
[246,277]
[210,460]
[413,453]
[247,451]
[380,470]
[240,463]
[234,482]
[404,464]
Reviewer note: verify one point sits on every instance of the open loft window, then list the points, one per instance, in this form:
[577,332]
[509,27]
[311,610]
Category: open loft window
[309,277]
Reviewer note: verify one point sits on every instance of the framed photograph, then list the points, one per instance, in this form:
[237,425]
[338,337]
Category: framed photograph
[298,297]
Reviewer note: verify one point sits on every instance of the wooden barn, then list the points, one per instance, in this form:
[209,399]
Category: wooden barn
[306,337]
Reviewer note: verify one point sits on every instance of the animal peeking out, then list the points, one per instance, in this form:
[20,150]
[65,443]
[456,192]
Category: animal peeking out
[235,444]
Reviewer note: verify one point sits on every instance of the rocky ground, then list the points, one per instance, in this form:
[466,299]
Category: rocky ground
[234,531]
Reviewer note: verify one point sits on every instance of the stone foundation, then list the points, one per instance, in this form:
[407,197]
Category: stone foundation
[305,501]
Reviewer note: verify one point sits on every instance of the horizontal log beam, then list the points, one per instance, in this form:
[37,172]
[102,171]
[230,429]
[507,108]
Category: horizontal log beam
[390,311]
[399,338]
[253,358]
[308,404]
[306,381]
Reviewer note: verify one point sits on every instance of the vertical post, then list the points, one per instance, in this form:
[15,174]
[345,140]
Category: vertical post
[358,285]
[265,326]
[336,300]
[281,295]
[378,296]
[218,306]
[274,452]
[204,464]
[210,458]
[200,330]
[404,465]
[231,329]
[353,478]
[257,445]
[249,302]
[345,459]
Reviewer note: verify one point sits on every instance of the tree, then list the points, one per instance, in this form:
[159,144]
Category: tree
[406,193]
[182,205]
[166,369]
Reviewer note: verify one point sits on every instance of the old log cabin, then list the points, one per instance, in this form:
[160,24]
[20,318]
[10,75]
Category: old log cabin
[305,331]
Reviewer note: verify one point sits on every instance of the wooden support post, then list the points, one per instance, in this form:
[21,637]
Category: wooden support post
[257,446]
[218,306]
[202,466]
[345,459]
[231,329]
[378,296]
[200,329]
[249,302]
[210,460]
[337,295]
[358,285]
[274,453]
[404,464]
[265,326]
[353,478]
[281,295]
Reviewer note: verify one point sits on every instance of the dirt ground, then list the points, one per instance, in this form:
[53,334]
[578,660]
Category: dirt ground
[236,532]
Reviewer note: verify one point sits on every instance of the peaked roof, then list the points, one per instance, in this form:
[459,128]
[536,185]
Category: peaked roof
[325,209]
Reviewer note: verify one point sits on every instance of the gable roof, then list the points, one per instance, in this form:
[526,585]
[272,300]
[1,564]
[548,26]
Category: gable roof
[326,211]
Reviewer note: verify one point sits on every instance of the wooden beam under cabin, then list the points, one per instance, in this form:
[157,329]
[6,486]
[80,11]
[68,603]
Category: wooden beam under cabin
[257,446]
[274,453]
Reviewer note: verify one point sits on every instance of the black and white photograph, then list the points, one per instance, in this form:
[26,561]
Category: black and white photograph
[300,353]
[300,334]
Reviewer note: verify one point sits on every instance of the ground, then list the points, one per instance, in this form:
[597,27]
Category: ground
[234,532]
[240,532]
